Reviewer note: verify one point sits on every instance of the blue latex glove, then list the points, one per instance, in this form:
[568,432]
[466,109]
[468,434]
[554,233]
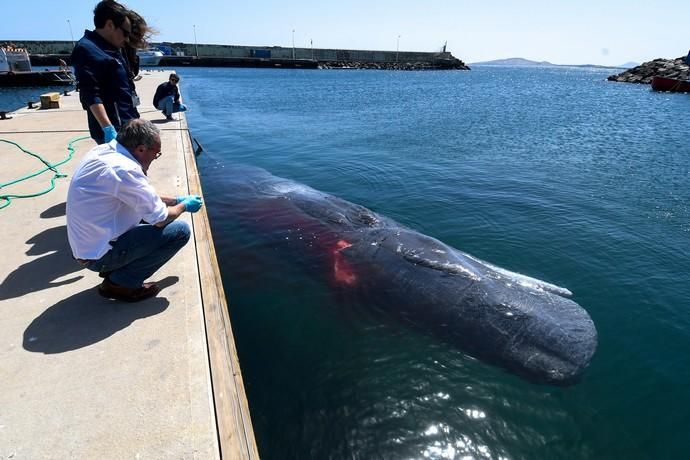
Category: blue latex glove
[180,198]
[109,133]
[192,203]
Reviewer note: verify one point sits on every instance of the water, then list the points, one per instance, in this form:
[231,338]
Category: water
[553,173]
[15,98]
[18,97]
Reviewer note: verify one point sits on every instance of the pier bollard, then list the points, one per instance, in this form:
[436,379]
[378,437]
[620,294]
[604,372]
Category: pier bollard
[3,115]
[30,105]
[65,92]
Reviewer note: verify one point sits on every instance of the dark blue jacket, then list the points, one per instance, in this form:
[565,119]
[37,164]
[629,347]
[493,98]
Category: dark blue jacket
[164,90]
[103,77]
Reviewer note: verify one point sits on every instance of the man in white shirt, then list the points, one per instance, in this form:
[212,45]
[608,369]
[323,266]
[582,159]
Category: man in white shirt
[108,200]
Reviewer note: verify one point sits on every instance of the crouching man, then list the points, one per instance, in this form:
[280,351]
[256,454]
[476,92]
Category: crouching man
[117,224]
[167,97]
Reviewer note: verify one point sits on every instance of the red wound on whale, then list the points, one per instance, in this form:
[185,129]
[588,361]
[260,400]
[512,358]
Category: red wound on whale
[342,270]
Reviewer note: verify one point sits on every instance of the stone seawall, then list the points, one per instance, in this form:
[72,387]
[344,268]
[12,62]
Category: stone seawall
[231,54]
[669,68]
[434,64]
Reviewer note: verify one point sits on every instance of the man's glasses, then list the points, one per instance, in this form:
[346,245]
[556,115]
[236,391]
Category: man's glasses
[158,155]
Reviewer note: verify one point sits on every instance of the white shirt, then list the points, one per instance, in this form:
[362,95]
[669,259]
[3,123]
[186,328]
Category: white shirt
[108,195]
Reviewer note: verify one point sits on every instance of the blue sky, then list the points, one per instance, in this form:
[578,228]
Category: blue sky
[606,32]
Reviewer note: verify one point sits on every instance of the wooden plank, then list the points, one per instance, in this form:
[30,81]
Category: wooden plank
[235,432]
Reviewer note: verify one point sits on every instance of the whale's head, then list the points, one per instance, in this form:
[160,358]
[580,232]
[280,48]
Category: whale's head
[525,325]
[544,337]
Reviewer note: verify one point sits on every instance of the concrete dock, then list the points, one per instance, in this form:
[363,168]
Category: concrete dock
[86,377]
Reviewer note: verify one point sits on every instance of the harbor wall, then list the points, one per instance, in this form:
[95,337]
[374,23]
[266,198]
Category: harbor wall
[266,52]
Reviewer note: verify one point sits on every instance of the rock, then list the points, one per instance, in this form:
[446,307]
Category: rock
[437,64]
[670,68]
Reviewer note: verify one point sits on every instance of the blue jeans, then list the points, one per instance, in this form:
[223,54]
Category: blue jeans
[169,106]
[139,252]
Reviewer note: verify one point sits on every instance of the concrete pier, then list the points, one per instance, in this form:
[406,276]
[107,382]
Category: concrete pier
[86,377]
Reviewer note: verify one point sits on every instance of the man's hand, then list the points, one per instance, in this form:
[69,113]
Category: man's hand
[178,205]
[109,133]
[192,203]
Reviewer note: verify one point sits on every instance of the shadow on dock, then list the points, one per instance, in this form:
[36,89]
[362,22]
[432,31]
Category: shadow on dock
[87,318]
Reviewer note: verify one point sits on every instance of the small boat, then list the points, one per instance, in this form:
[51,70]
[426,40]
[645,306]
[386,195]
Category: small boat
[150,57]
[15,70]
[670,85]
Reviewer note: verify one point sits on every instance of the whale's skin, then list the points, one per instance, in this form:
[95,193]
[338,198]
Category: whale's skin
[522,324]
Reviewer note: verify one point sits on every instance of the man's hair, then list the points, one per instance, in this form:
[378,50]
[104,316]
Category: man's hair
[138,132]
[174,76]
[109,9]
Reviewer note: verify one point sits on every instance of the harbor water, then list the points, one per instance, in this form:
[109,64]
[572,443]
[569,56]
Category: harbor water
[554,173]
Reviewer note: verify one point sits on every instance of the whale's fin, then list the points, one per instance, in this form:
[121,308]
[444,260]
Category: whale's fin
[524,280]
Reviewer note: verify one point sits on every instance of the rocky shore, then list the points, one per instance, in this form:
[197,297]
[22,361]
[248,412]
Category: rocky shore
[439,64]
[669,68]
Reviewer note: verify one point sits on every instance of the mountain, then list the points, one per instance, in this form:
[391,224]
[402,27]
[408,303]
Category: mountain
[629,65]
[528,63]
[514,62]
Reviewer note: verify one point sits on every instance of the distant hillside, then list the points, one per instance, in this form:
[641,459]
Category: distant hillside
[514,61]
[528,63]
[629,65]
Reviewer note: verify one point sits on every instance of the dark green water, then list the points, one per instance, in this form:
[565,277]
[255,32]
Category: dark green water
[553,173]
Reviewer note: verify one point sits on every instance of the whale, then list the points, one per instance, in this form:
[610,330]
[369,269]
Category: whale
[529,327]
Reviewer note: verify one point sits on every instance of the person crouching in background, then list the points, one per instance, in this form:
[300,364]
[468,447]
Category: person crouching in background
[167,97]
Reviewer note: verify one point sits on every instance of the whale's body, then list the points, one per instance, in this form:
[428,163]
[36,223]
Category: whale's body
[522,324]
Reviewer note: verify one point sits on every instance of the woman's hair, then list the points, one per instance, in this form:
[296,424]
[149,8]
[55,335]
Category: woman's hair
[141,31]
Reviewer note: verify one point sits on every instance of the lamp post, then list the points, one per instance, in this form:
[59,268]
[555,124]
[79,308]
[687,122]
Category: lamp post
[397,49]
[293,44]
[196,47]
[311,43]
[70,31]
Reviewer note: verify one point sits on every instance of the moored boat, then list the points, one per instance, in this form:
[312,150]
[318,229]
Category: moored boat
[15,70]
[149,57]
[671,85]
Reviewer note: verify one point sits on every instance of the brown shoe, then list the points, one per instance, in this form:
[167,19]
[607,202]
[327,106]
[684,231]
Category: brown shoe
[111,290]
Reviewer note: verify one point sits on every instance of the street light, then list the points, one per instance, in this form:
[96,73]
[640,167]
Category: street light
[293,44]
[311,43]
[70,31]
[196,47]
[397,49]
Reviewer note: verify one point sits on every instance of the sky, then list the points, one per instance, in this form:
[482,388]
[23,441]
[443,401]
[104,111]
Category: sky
[604,32]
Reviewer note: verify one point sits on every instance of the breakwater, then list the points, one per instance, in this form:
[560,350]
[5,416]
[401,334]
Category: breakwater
[209,55]
[669,68]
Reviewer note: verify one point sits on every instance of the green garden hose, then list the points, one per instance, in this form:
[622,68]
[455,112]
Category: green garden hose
[7,198]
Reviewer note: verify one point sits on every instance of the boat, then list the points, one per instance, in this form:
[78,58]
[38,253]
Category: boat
[150,57]
[15,70]
[671,85]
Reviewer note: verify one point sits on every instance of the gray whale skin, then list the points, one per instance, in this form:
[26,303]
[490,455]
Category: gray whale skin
[521,324]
